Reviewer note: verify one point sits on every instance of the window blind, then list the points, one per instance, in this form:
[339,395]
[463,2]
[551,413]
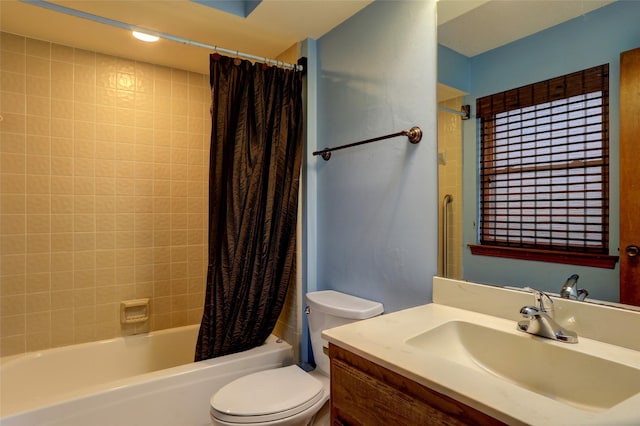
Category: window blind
[544,164]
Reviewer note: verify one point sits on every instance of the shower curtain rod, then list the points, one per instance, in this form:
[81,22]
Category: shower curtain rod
[465,111]
[296,67]
[414,134]
[102,20]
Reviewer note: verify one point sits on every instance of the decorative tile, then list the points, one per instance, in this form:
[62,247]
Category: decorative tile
[112,155]
[13,163]
[38,48]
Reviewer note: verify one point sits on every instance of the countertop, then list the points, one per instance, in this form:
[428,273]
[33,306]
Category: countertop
[383,340]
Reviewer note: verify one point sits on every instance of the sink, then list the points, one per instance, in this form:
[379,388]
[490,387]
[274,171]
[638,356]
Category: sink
[549,368]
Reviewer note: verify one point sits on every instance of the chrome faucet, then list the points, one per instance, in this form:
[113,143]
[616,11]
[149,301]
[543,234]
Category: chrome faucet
[540,323]
[570,289]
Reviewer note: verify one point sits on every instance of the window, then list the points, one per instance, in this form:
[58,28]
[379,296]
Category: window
[544,170]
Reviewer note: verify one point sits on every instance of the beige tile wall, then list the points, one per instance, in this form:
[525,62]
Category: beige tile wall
[104,169]
[450,181]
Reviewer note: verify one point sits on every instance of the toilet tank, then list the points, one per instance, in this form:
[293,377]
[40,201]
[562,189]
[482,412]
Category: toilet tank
[327,309]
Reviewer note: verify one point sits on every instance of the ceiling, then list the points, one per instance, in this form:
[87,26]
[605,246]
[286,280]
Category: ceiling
[463,24]
[272,27]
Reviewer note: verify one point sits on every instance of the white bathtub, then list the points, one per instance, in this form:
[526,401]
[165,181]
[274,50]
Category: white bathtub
[146,379]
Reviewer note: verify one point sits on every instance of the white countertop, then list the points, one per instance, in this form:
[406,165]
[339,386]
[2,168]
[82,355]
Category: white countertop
[383,341]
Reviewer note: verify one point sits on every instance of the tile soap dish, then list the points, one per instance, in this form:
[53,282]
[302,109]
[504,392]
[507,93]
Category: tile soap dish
[134,311]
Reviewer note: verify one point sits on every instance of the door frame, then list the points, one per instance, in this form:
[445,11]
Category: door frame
[629,175]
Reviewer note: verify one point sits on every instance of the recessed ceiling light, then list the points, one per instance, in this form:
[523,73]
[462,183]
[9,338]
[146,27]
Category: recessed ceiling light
[145,37]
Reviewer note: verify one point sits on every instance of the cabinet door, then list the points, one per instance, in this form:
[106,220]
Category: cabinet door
[367,394]
[363,400]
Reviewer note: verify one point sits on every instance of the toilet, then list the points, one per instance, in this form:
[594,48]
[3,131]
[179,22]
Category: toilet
[289,395]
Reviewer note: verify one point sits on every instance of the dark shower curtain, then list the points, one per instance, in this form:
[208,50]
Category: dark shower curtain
[256,152]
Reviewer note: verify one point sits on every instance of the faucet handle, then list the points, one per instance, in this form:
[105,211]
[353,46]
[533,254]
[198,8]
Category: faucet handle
[570,289]
[529,311]
[582,292]
[540,297]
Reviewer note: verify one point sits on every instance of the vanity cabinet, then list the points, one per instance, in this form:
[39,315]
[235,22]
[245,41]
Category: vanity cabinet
[365,393]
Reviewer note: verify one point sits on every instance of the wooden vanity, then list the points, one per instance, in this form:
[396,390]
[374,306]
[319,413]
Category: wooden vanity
[365,393]
[462,360]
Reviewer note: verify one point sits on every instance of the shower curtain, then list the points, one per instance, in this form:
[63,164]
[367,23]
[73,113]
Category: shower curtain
[256,152]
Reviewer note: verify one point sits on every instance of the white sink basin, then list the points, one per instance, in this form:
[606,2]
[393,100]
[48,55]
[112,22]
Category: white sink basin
[552,369]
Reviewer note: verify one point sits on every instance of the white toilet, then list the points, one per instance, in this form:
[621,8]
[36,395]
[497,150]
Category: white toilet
[289,395]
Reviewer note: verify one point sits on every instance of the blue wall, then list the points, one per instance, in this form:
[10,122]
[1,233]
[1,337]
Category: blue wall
[454,69]
[587,41]
[376,212]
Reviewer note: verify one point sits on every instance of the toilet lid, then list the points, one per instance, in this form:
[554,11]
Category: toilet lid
[267,395]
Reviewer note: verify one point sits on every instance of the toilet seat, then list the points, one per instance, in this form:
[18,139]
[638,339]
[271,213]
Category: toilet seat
[267,396]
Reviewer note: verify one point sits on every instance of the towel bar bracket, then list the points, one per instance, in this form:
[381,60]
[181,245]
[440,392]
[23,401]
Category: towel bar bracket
[414,134]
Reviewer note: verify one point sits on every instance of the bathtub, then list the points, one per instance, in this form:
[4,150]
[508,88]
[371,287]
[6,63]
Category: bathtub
[148,379]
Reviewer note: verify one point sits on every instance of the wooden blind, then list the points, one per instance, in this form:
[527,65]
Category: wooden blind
[544,164]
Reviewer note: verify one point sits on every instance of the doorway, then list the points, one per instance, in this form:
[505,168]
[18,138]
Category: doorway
[450,182]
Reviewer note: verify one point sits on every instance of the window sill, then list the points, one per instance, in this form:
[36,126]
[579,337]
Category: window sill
[582,259]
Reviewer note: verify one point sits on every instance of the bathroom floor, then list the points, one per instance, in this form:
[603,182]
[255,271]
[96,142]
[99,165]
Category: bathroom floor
[323,418]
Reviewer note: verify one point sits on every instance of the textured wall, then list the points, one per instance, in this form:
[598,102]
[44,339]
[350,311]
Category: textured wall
[377,215]
[103,193]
